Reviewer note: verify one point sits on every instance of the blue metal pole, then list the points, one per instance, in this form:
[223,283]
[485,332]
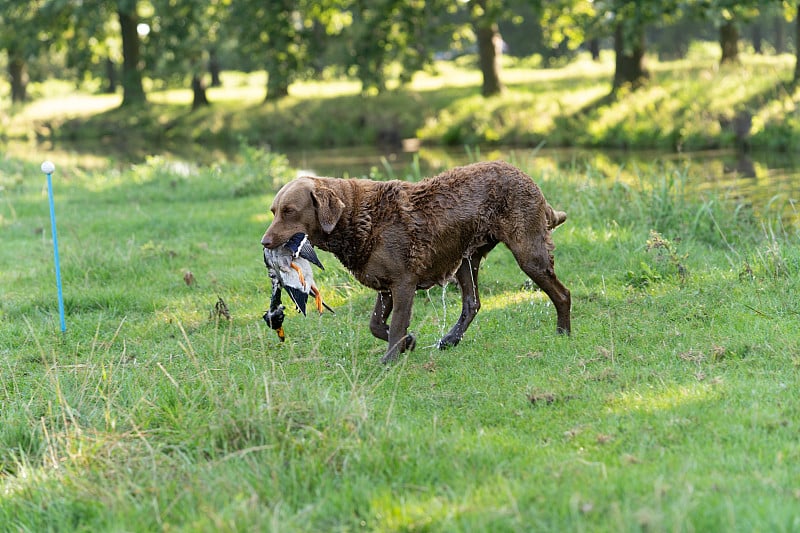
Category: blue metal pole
[48,168]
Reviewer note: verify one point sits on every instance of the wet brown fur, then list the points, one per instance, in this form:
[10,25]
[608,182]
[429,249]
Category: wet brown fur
[396,237]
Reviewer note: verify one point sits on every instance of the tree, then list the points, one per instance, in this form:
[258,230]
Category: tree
[131,78]
[729,42]
[485,14]
[282,36]
[796,77]
[20,43]
[274,35]
[30,28]
[576,20]
[92,42]
[368,37]
[727,15]
[17,73]
[629,19]
[629,55]
[572,23]
[394,33]
[182,36]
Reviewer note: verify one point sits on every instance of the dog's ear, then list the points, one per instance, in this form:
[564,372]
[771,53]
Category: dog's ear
[329,207]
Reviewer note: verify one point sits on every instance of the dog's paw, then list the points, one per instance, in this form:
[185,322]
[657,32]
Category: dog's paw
[411,342]
[448,341]
[408,343]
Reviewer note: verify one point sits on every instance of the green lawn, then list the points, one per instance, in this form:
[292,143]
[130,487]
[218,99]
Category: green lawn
[673,406]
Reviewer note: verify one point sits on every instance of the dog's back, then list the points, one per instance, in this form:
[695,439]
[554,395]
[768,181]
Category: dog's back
[432,225]
[488,198]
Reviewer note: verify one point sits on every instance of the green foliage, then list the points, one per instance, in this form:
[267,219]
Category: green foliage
[667,253]
[643,277]
[671,407]
[391,40]
[180,37]
[668,261]
[262,170]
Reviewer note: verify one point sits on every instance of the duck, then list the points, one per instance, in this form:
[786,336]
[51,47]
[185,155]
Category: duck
[289,267]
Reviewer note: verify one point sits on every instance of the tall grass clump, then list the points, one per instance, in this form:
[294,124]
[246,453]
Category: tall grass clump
[666,200]
[670,407]
[262,170]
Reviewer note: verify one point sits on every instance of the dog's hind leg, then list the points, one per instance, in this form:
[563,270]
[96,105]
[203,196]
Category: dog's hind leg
[377,323]
[467,278]
[535,258]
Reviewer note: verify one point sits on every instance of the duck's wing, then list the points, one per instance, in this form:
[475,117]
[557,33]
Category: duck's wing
[300,246]
[307,252]
[299,297]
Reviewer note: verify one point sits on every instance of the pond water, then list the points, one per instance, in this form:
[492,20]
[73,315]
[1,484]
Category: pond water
[769,182]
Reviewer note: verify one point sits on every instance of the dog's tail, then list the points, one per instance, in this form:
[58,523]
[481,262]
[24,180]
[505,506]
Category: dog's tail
[554,218]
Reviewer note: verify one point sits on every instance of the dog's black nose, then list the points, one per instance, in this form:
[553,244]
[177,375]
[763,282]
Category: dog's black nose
[266,241]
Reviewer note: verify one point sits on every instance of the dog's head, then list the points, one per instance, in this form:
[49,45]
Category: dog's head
[304,205]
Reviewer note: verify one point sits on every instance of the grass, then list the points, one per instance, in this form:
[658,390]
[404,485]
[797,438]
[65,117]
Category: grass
[671,407]
[688,105]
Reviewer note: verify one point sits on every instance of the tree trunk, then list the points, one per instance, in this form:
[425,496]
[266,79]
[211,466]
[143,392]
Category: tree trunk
[594,48]
[797,45]
[199,92]
[780,40]
[277,86]
[757,38]
[111,76]
[629,59]
[729,41]
[490,49]
[17,71]
[214,68]
[132,89]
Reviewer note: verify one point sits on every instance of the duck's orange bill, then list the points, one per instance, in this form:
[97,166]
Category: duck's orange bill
[281,334]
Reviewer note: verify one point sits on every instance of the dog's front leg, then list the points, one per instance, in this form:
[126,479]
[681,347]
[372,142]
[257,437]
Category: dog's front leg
[399,338]
[377,323]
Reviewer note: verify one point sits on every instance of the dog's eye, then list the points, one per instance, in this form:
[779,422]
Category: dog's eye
[286,211]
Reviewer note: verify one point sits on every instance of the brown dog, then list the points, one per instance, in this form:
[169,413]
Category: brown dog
[397,237]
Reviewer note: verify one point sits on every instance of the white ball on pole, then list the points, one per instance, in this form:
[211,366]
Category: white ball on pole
[48,167]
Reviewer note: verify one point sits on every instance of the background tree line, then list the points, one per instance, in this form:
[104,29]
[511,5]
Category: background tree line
[378,42]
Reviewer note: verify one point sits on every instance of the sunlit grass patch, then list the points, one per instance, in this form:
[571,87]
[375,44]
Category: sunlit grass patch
[506,299]
[652,401]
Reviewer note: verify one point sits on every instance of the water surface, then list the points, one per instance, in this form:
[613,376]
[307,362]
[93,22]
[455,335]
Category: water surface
[769,182]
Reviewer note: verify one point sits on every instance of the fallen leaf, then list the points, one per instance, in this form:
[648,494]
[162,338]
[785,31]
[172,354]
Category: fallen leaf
[544,397]
[603,438]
